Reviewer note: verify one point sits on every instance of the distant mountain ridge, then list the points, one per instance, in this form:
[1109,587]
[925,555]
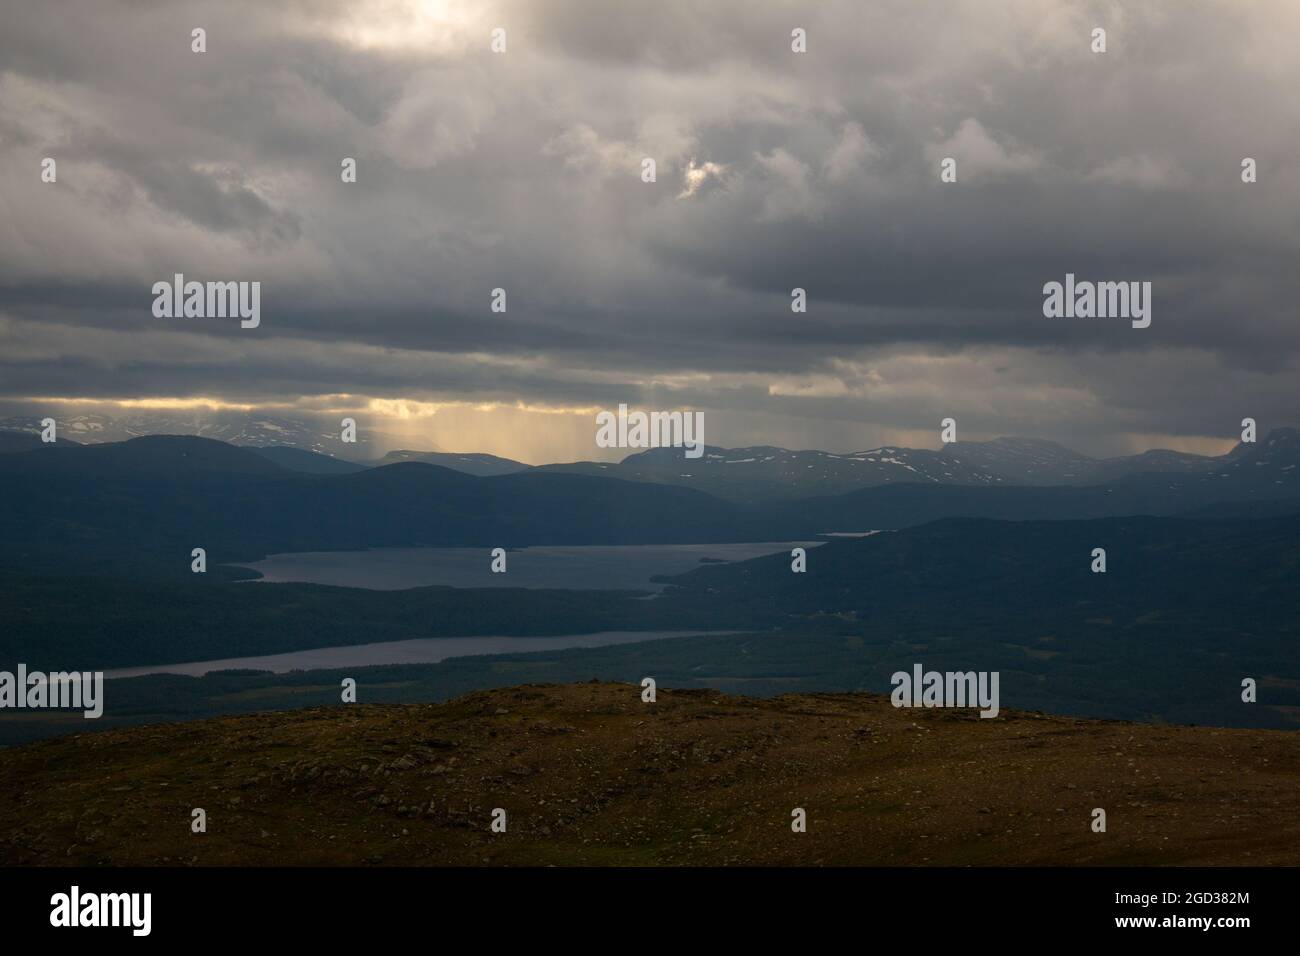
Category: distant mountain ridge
[1261,477]
[764,472]
[751,475]
[293,443]
[235,428]
[17,441]
[471,463]
[151,457]
[308,462]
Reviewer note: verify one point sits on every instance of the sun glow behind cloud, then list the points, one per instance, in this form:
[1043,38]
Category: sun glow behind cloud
[439,26]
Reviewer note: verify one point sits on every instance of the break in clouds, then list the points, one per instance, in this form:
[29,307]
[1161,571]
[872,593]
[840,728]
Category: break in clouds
[775,170]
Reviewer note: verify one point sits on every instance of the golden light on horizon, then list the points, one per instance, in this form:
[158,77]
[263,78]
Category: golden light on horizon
[157,403]
[523,431]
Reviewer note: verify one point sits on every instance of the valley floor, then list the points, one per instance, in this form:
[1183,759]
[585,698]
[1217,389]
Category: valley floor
[588,774]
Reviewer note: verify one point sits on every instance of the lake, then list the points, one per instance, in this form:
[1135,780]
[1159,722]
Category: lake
[587,568]
[428,650]
[592,567]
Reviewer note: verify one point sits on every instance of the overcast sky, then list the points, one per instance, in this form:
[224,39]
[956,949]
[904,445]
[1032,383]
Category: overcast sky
[521,170]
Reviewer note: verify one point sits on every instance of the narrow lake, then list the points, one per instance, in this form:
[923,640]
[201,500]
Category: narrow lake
[420,651]
[587,568]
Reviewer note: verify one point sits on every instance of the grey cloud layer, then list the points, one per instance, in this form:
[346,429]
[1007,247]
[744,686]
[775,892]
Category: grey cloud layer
[775,170]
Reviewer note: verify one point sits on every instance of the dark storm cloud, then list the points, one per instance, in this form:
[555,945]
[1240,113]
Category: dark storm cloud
[776,170]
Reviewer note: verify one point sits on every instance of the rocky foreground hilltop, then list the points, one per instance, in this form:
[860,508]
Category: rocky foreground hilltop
[588,774]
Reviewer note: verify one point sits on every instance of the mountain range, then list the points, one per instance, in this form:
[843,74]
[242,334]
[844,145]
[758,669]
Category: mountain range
[743,475]
[233,427]
[145,503]
[766,472]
